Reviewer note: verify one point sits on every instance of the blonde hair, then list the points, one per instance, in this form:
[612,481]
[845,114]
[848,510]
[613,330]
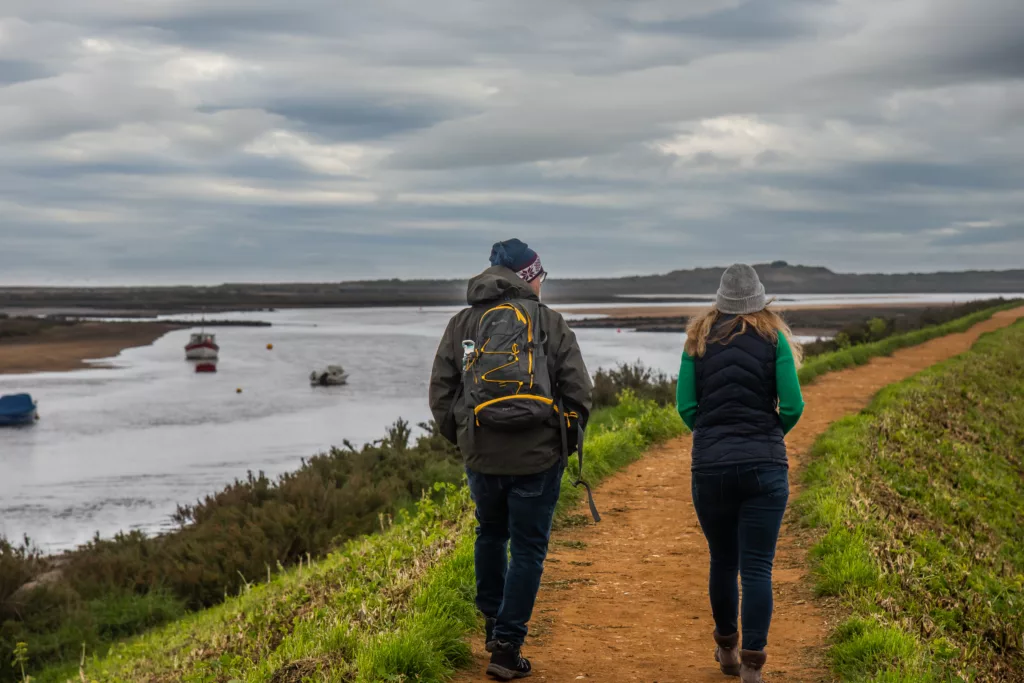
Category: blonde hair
[702,330]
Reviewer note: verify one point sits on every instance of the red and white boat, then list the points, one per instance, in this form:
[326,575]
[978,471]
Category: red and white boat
[202,346]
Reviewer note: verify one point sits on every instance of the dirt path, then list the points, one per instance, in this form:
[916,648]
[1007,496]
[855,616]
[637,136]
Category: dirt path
[626,600]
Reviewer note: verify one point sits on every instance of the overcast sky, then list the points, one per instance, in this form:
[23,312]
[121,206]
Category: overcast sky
[211,140]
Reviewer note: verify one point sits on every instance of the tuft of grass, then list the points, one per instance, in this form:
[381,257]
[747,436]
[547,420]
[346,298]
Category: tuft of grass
[919,501]
[843,563]
[863,649]
[862,353]
[429,643]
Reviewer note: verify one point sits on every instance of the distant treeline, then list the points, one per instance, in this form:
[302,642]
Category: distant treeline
[18,327]
[779,278]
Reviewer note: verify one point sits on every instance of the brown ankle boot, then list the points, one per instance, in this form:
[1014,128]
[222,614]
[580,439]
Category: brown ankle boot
[751,663]
[727,654]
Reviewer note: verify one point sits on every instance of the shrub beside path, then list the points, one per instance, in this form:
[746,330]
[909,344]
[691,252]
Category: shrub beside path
[626,600]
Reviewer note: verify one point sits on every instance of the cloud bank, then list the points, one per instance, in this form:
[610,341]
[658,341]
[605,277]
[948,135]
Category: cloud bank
[215,140]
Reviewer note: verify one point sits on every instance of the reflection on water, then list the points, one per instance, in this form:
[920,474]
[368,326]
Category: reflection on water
[118,449]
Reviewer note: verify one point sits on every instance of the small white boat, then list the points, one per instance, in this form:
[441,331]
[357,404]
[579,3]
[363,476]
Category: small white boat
[202,346]
[333,376]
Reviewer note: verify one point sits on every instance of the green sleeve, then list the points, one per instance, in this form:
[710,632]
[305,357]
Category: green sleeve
[686,390]
[791,401]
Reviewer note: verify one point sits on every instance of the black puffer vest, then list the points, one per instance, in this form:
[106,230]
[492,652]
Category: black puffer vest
[737,421]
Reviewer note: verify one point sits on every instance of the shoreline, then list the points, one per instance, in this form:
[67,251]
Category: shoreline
[687,310]
[818,321]
[68,349]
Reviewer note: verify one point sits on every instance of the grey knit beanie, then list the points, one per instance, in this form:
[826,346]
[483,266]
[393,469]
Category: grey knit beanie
[741,291]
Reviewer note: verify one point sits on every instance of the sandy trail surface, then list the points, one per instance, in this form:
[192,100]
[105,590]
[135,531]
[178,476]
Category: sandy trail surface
[626,600]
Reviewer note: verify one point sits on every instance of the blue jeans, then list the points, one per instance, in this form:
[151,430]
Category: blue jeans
[517,509]
[740,510]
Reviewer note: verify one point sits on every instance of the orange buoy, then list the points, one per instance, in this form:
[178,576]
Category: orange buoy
[238,390]
[270,347]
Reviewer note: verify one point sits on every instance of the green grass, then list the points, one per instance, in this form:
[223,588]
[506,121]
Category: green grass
[311,621]
[394,606]
[920,505]
[860,354]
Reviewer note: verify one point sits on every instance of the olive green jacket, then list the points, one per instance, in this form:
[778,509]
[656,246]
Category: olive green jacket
[527,452]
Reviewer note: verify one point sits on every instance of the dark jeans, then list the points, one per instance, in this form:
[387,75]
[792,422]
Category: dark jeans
[740,510]
[517,508]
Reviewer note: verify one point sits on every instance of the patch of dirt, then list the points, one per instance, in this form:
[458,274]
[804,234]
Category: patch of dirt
[639,610]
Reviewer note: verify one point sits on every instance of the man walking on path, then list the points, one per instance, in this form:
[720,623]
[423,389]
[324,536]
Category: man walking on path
[510,387]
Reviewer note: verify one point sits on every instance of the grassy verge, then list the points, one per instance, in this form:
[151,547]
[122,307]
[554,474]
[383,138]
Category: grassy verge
[390,605]
[308,623]
[110,589]
[920,499]
[860,354]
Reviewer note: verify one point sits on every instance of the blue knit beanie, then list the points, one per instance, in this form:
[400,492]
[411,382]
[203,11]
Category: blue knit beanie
[516,255]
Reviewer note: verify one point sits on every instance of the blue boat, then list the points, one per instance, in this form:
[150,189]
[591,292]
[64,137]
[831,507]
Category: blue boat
[18,409]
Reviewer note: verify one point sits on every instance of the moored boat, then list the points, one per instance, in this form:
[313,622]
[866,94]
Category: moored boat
[333,376]
[17,409]
[202,346]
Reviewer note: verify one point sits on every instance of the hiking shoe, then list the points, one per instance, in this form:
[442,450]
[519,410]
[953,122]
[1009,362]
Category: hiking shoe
[751,662]
[727,654]
[507,663]
[489,641]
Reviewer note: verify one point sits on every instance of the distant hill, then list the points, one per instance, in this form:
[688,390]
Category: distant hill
[779,278]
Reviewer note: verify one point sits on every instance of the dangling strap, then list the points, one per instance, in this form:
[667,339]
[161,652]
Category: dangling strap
[450,428]
[563,420]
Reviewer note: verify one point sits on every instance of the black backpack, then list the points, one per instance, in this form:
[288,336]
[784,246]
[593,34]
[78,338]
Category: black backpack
[505,376]
[506,384]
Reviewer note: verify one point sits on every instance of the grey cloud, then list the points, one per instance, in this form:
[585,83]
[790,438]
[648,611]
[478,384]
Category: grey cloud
[749,20]
[16,71]
[234,139]
[974,236]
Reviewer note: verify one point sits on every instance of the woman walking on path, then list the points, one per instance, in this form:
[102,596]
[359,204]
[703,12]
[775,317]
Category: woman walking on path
[739,393]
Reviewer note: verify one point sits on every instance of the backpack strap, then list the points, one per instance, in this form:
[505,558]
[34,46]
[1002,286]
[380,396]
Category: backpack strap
[563,421]
[449,428]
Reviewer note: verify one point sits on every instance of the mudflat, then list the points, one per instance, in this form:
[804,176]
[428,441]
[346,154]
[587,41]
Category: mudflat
[63,348]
